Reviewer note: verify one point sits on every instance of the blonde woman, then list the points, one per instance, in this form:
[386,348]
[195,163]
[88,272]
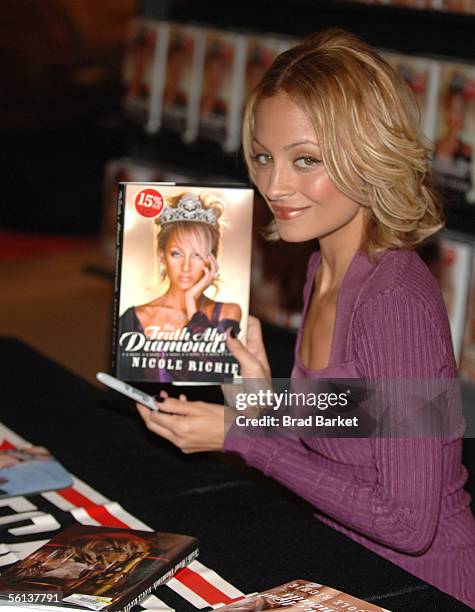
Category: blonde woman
[332,142]
[188,237]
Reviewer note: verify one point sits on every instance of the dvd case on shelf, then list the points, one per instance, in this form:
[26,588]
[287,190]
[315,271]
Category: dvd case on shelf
[454,161]
[182,281]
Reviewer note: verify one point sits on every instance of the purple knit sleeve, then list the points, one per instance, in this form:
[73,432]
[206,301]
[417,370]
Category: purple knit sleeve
[393,336]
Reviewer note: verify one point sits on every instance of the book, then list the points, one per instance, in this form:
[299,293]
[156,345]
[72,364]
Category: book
[96,568]
[30,470]
[451,268]
[117,170]
[182,280]
[144,72]
[181,92]
[467,362]
[454,159]
[422,75]
[222,88]
[260,53]
[302,596]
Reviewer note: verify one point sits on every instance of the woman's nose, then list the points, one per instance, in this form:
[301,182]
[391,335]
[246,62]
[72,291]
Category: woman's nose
[279,186]
[186,263]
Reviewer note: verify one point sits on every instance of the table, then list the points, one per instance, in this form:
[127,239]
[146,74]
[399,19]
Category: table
[254,533]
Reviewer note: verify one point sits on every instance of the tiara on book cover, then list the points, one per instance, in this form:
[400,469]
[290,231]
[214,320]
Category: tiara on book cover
[189,208]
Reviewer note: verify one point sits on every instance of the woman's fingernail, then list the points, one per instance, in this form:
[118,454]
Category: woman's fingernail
[232,333]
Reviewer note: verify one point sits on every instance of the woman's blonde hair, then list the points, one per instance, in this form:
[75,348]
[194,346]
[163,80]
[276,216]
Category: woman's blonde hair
[367,124]
[204,238]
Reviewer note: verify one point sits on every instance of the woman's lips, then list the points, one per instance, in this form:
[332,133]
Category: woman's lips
[287,213]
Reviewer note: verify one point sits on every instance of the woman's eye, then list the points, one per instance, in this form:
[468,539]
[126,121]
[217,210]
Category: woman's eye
[175,253]
[262,159]
[197,256]
[306,162]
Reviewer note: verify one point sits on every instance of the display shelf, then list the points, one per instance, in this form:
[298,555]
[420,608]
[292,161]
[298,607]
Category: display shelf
[422,32]
[207,159]
[167,149]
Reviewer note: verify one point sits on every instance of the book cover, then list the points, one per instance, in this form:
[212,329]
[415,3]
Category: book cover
[455,6]
[455,137]
[118,170]
[467,362]
[260,53]
[98,568]
[222,88]
[452,271]
[422,76]
[302,596]
[144,72]
[182,279]
[416,4]
[30,470]
[183,76]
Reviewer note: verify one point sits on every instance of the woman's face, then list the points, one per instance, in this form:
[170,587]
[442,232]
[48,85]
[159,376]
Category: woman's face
[184,264]
[456,109]
[292,178]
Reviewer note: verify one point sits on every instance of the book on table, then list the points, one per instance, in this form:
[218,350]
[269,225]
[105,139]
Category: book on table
[30,470]
[95,568]
[302,596]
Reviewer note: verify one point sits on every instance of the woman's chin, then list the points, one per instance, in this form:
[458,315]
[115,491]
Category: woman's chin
[294,234]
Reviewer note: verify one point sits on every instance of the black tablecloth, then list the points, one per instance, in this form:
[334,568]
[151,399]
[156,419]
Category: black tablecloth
[252,532]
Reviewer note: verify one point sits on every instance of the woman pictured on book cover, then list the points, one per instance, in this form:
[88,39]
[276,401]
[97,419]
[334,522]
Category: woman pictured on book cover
[453,153]
[139,61]
[179,59]
[332,143]
[218,63]
[188,242]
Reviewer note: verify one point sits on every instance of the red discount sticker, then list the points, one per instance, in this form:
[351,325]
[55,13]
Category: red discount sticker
[149,202]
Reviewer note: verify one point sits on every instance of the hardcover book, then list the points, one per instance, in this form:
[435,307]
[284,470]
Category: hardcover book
[144,72]
[30,470]
[302,596]
[182,281]
[467,363]
[454,159]
[117,170]
[184,65]
[222,88]
[453,275]
[96,568]
[260,53]
[422,75]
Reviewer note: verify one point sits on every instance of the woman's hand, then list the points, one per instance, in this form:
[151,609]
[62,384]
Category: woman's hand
[255,369]
[200,426]
[193,295]
[191,426]
[253,357]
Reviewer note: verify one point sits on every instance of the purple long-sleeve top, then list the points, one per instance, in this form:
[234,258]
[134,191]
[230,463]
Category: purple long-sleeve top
[402,498]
